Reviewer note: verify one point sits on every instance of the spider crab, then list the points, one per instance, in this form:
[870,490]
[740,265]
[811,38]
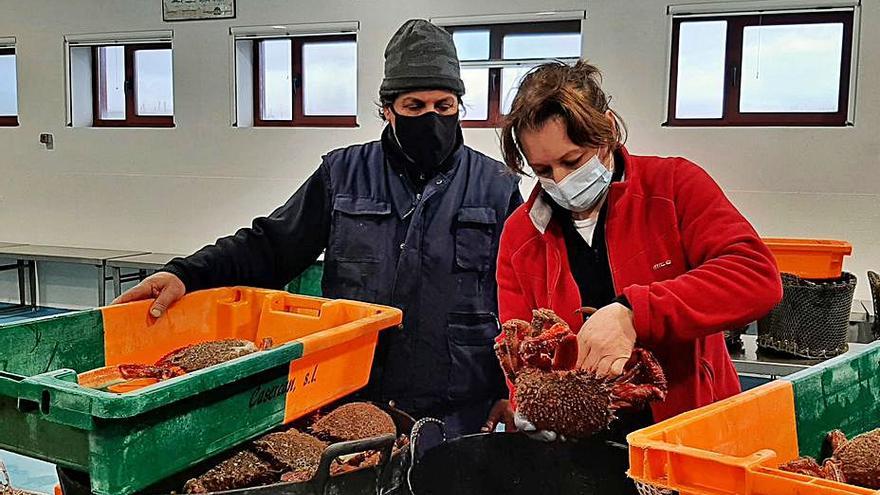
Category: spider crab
[190,358]
[540,358]
[855,461]
[128,377]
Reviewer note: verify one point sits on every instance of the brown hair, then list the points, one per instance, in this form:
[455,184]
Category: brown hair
[571,93]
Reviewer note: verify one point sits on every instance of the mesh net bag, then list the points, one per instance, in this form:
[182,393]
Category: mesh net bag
[733,339]
[874,280]
[646,489]
[812,319]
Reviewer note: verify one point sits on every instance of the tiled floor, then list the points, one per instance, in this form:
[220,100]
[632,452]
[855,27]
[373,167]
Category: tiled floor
[26,473]
[29,474]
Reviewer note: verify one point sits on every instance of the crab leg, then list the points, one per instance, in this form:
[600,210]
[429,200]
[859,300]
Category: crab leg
[130,371]
[641,383]
[832,471]
[507,349]
[804,465]
[543,319]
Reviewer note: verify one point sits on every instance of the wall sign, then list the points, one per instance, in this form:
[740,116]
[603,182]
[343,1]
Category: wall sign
[191,10]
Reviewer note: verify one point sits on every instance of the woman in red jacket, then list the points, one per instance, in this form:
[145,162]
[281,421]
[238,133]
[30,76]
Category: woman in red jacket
[651,242]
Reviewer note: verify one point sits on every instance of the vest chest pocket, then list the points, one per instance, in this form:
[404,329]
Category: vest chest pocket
[475,238]
[358,224]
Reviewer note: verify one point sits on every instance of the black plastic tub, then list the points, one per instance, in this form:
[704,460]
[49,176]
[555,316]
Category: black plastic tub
[388,478]
[513,464]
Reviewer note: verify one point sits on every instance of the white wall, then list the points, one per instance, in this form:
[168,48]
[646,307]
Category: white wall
[177,189]
[790,182]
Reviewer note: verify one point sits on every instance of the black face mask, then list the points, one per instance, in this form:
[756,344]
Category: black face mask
[427,140]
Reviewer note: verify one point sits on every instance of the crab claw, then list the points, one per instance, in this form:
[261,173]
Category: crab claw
[836,439]
[131,371]
[566,354]
[833,471]
[643,381]
[585,311]
[538,352]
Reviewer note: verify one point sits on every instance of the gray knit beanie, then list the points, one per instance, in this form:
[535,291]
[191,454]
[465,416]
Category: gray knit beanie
[421,56]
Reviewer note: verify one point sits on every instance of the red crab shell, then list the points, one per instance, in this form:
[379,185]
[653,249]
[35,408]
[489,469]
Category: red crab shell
[540,357]
[190,358]
[855,461]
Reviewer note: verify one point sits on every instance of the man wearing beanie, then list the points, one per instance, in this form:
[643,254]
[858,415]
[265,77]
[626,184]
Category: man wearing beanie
[412,221]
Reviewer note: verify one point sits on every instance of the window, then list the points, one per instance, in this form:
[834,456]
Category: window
[119,79]
[133,85]
[300,81]
[495,57]
[765,69]
[8,88]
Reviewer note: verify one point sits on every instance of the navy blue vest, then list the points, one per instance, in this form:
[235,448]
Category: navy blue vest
[433,256]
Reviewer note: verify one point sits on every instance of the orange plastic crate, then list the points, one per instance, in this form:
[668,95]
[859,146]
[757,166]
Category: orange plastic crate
[736,445]
[322,350]
[810,258]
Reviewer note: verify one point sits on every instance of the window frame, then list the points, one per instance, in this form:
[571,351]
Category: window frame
[10,120]
[132,119]
[731,116]
[300,119]
[496,61]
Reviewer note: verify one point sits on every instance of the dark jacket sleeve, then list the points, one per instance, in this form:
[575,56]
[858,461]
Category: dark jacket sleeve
[272,251]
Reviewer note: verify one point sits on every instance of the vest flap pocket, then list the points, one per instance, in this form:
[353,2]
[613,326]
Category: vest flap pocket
[474,371]
[473,328]
[485,216]
[357,205]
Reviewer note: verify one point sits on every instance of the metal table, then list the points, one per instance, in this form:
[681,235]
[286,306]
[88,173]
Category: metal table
[27,256]
[16,266]
[143,263]
[773,364]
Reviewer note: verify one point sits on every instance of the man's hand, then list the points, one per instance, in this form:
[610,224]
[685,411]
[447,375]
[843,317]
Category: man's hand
[165,287]
[501,413]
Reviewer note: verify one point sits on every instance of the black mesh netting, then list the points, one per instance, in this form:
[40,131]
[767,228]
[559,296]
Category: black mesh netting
[874,280]
[812,319]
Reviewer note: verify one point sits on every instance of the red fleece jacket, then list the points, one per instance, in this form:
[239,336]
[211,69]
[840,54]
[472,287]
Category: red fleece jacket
[688,262]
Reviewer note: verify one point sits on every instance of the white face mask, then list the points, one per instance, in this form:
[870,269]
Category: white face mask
[582,189]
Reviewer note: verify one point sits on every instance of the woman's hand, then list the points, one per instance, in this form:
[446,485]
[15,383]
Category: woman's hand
[606,340]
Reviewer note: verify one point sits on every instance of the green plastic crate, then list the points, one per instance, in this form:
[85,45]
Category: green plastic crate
[736,446]
[308,283]
[126,442]
[842,393]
